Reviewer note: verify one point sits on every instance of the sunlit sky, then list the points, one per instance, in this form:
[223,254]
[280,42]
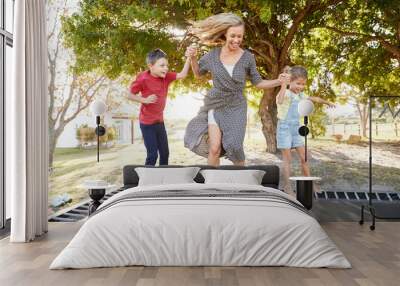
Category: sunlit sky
[184,106]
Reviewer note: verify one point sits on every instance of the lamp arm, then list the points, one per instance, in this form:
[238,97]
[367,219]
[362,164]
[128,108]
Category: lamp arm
[305,148]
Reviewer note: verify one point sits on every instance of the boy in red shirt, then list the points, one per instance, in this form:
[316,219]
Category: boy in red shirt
[152,85]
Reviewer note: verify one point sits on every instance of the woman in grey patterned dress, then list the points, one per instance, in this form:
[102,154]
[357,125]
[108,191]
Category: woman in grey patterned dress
[219,127]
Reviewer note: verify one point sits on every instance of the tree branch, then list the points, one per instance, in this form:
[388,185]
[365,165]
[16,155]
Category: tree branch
[271,47]
[51,87]
[292,31]
[359,109]
[265,57]
[67,103]
[53,68]
[365,37]
[57,45]
[309,8]
[51,34]
[88,98]
[398,31]
[61,100]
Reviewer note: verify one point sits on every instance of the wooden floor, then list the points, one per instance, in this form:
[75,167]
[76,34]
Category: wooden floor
[375,257]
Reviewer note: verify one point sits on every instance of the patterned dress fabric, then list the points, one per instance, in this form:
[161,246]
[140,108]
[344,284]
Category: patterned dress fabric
[229,105]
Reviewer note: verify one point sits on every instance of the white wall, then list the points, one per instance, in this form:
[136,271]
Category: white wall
[68,138]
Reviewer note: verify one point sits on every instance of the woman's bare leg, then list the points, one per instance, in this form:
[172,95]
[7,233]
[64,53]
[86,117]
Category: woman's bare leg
[287,158]
[239,163]
[214,144]
[304,165]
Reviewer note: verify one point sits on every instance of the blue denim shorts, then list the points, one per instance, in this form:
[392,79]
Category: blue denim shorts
[287,135]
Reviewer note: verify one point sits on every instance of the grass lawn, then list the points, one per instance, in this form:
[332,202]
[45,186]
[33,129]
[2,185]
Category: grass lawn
[342,166]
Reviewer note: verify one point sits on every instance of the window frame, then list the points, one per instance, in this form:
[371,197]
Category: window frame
[6,39]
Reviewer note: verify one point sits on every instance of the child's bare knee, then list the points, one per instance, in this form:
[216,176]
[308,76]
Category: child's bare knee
[287,159]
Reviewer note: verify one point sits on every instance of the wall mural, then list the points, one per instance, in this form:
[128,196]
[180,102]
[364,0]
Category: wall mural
[144,63]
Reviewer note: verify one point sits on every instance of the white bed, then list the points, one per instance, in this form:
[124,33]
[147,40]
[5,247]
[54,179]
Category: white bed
[271,229]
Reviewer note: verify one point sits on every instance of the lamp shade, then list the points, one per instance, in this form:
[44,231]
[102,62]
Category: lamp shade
[98,107]
[306,107]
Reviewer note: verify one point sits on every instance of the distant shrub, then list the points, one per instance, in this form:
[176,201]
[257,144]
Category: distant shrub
[338,137]
[86,136]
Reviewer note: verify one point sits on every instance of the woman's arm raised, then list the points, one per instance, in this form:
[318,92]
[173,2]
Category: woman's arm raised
[257,80]
[267,84]
[191,53]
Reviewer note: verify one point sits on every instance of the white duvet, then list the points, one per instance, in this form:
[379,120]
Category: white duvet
[200,231]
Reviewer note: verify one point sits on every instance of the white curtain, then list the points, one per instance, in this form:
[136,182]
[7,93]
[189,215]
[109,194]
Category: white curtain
[27,149]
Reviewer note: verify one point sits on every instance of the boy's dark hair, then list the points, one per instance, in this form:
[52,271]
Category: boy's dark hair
[296,72]
[154,56]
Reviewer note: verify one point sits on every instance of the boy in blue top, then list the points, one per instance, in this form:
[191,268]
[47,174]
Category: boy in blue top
[287,134]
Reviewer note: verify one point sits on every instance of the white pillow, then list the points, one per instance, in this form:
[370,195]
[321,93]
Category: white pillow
[248,177]
[166,176]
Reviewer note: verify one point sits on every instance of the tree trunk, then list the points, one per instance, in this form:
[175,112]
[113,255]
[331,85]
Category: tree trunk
[52,147]
[363,113]
[268,113]
[365,120]
[364,124]
[54,134]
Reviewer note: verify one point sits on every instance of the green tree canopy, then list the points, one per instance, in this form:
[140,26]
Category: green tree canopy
[358,47]
[113,38]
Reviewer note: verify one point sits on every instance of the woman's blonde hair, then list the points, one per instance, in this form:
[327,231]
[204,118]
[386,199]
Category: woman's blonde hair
[211,31]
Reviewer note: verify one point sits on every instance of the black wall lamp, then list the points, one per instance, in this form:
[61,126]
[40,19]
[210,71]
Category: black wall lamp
[305,108]
[98,107]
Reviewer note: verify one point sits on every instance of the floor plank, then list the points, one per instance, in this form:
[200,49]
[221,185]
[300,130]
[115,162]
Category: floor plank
[375,257]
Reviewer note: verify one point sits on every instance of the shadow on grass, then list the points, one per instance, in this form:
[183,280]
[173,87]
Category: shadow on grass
[343,166]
